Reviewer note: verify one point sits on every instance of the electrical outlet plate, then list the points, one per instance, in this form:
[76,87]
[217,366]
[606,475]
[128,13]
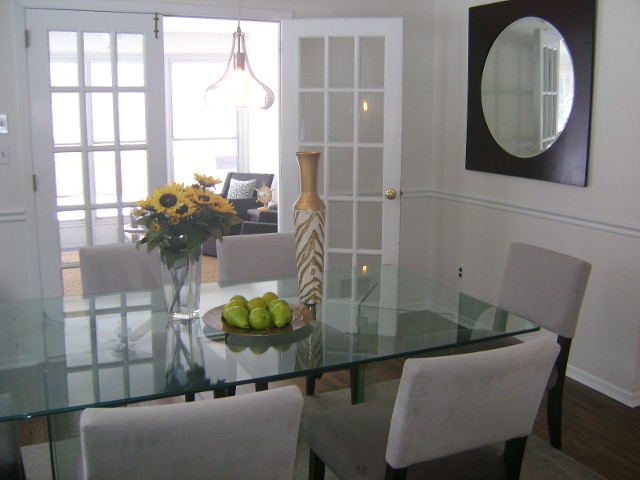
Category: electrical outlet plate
[4,127]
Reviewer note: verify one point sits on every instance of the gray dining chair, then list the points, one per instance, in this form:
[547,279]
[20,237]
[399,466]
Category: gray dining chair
[256,257]
[249,436]
[117,268]
[547,287]
[461,416]
[11,466]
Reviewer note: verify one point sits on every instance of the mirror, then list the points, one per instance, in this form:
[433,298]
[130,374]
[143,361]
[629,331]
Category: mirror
[527,87]
[529,91]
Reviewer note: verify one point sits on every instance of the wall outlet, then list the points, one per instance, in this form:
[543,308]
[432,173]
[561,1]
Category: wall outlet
[460,272]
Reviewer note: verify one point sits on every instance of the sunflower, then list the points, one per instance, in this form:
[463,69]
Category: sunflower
[166,199]
[220,204]
[201,196]
[155,227]
[184,209]
[144,205]
[205,180]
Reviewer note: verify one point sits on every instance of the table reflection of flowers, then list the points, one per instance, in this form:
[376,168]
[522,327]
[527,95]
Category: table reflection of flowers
[186,366]
[178,219]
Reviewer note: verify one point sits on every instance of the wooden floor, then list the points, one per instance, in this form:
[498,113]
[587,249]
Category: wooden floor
[598,432]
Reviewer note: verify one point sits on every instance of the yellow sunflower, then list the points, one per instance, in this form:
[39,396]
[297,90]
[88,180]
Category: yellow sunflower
[220,204]
[155,227]
[184,209]
[205,180]
[165,199]
[143,204]
[200,195]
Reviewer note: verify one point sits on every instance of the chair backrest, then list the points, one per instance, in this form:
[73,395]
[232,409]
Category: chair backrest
[263,256]
[447,405]
[545,287]
[260,178]
[246,436]
[118,267]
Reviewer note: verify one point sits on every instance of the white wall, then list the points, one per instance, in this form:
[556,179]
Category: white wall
[471,212]
[450,215]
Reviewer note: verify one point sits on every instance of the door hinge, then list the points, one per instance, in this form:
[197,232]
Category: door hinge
[155,24]
[35,183]
[27,38]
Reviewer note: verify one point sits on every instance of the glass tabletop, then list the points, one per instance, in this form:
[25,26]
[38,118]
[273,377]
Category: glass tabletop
[69,353]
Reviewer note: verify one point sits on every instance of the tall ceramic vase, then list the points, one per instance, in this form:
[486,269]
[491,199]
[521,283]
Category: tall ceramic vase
[308,221]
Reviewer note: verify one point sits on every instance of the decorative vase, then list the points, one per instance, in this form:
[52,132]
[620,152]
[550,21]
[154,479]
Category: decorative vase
[308,221]
[181,281]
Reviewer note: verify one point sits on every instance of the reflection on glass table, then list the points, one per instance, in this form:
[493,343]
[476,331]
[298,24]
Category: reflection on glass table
[65,354]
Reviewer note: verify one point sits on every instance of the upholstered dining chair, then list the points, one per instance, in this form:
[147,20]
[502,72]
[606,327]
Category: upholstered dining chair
[256,257]
[11,466]
[547,287]
[461,416]
[118,267]
[249,436]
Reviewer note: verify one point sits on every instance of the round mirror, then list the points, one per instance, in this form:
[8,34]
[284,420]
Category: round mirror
[527,87]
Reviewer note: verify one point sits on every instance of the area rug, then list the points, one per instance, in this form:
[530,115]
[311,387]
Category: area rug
[541,462]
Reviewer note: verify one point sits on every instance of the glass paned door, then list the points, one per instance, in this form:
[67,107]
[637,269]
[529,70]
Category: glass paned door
[343,85]
[97,88]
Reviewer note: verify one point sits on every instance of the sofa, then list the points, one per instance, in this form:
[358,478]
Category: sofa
[233,184]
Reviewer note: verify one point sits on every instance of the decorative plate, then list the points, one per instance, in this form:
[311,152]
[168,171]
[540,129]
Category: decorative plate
[302,317]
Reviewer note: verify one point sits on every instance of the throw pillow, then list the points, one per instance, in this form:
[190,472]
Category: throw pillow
[241,189]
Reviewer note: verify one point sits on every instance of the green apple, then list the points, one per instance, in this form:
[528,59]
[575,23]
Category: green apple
[256,302]
[237,316]
[260,318]
[269,296]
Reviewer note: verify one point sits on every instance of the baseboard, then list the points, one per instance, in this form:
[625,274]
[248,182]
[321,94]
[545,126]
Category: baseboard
[630,399]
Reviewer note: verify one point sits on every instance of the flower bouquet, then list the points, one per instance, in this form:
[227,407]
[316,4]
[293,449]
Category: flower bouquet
[178,219]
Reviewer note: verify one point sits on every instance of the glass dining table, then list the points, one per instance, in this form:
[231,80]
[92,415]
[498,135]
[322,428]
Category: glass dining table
[59,355]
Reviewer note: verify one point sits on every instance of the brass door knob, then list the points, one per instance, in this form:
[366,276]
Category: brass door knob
[390,193]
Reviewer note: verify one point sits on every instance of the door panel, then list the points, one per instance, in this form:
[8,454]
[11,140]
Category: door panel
[342,96]
[96,85]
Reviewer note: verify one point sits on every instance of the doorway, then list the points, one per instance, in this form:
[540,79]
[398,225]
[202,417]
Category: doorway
[124,113]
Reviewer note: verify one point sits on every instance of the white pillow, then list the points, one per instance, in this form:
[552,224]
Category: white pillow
[241,189]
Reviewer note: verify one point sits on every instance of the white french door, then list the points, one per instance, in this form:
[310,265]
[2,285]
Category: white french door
[96,86]
[342,96]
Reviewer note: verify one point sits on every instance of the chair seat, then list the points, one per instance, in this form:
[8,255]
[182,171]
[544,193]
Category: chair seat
[372,421]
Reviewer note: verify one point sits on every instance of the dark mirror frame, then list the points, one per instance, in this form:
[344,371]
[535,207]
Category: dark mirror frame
[566,160]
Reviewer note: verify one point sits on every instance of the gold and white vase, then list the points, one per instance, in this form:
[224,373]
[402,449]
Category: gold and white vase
[308,221]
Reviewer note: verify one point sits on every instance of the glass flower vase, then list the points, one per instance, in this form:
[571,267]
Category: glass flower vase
[181,282]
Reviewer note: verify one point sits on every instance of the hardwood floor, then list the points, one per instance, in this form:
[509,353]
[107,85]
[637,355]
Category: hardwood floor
[598,432]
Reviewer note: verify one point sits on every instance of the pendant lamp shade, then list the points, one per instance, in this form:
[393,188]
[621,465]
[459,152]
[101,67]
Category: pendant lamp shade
[238,87]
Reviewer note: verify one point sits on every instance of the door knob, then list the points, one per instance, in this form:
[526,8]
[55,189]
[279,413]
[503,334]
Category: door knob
[390,193]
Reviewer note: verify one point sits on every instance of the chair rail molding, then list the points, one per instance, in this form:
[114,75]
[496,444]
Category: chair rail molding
[545,213]
[7,216]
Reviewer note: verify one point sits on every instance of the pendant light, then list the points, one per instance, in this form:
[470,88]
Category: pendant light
[238,87]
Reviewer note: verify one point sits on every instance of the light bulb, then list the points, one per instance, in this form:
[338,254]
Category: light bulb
[238,87]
